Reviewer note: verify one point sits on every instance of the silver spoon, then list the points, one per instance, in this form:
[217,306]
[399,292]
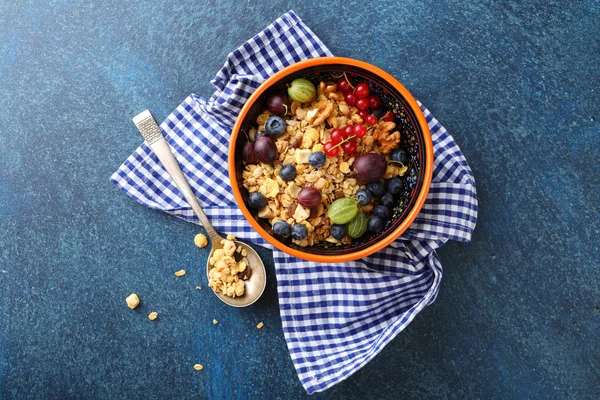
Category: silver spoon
[255,285]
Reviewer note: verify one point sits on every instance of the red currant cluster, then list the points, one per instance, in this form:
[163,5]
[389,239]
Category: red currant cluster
[355,96]
[344,137]
[359,96]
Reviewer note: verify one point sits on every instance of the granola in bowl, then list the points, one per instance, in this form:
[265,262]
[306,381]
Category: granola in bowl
[325,165]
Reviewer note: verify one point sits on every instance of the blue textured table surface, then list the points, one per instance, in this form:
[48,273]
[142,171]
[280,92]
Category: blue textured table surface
[518,314]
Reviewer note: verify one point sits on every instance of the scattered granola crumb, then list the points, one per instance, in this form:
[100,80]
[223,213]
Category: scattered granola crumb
[198,288]
[215,321]
[200,240]
[132,300]
[260,325]
[198,367]
[153,315]
[181,272]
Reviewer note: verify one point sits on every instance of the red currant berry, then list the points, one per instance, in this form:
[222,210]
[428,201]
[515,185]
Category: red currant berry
[389,116]
[330,150]
[374,102]
[371,119]
[336,136]
[363,114]
[362,103]
[362,90]
[344,86]
[348,131]
[350,99]
[360,130]
[349,147]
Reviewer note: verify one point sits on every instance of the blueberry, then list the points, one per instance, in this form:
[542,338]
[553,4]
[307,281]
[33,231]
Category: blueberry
[376,188]
[378,112]
[275,126]
[282,228]
[387,200]
[317,159]
[381,211]
[287,172]
[299,232]
[375,224]
[257,201]
[364,197]
[337,231]
[399,155]
[394,185]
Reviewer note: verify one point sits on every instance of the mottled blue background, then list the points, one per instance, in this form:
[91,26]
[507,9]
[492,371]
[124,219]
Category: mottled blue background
[518,314]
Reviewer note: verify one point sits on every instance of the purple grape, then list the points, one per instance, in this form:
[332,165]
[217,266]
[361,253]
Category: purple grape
[265,149]
[277,104]
[248,154]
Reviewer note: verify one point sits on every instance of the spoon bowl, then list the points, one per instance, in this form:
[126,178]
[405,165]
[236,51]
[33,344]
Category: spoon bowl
[255,285]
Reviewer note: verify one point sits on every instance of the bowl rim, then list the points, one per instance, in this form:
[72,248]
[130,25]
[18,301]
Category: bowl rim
[427,176]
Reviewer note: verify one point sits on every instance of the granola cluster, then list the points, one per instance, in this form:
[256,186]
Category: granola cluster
[230,269]
[308,128]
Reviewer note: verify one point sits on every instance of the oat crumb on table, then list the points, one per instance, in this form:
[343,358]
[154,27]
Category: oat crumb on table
[153,315]
[215,321]
[198,367]
[132,301]
[181,272]
[198,288]
[201,240]
[260,325]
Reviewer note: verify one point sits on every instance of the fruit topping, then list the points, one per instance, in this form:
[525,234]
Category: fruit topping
[330,149]
[317,159]
[376,188]
[248,154]
[387,200]
[394,185]
[374,101]
[302,90]
[275,126]
[257,201]
[278,104]
[364,197]
[287,172]
[360,130]
[362,90]
[342,211]
[371,120]
[309,197]
[381,211]
[362,103]
[399,155]
[370,167]
[265,149]
[282,228]
[337,231]
[358,226]
[375,224]
[299,232]
[350,99]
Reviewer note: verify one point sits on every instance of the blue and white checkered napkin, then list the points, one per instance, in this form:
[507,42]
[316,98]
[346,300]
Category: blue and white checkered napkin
[335,317]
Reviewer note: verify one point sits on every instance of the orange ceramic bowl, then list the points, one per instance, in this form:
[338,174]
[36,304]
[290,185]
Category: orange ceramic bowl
[416,140]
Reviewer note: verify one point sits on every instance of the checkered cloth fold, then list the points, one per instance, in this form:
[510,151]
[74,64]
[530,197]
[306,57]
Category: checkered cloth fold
[335,317]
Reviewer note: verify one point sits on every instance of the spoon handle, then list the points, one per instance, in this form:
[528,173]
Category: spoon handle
[154,138]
